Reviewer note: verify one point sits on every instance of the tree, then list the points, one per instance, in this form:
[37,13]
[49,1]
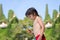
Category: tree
[48,31]
[56,29]
[13,28]
[13,25]
[54,15]
[10,14]
[47,16]
[2,17]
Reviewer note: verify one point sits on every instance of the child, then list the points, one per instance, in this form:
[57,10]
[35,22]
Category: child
[38,26]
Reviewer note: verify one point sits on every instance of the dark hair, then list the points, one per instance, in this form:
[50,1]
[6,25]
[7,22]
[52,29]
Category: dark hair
[32,11]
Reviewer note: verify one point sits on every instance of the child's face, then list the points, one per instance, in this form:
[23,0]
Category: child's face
[32,17]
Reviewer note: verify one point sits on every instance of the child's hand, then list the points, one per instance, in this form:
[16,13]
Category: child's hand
[29,31]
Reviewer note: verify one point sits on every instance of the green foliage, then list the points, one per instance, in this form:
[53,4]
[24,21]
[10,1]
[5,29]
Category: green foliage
[10,14]
[56,29]
[48,34]
[2,17]
[54,32]
[47,16]
[13,28]
[17,29]
[3,33]
[54,14]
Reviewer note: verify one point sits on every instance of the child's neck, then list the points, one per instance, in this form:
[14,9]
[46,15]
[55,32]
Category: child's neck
[35,17]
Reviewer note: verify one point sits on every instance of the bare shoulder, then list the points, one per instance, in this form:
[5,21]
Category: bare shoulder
[39,18]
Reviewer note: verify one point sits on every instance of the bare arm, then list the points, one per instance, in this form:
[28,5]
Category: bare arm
[41,25]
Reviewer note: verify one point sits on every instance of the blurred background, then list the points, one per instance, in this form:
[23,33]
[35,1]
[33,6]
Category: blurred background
[14,24]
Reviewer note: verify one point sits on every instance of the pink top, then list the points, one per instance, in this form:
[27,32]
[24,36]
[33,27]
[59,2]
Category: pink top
[36,27]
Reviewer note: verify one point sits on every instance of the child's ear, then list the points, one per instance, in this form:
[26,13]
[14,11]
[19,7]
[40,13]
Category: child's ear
[34,14]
